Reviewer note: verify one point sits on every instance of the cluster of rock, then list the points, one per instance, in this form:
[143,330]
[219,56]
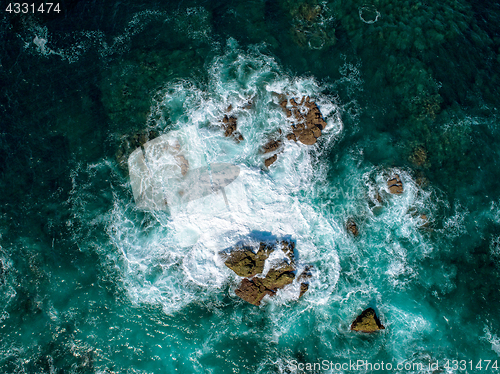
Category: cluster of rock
[250,265]
[307,125]
[307,120]
[229,124]
[367,322]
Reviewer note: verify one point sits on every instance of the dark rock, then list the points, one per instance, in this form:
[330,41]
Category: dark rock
[277,277]
[303,289]
[367,322]
[271,160]
[283,104]
[272,146]
[289,249]
[304,279]
[351,226]
[229,125]
[395,185]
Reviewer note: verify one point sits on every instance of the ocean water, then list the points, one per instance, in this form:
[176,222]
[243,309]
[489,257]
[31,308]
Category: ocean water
[90,283]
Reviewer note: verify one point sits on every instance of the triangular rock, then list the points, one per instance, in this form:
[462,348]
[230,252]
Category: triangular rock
[367,322]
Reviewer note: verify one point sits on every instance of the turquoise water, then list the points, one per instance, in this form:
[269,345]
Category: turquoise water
[92,284]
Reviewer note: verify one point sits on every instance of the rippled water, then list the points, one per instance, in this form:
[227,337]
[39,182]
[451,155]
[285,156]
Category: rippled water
[92,284]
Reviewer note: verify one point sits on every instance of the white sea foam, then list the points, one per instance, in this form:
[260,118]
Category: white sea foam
[175,260]
[194,23]
[7,282]
[493,339]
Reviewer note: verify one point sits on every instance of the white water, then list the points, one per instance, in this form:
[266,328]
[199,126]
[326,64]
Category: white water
[181,248]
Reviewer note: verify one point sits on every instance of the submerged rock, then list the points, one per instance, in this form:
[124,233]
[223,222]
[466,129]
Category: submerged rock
[395,185]
[130,143]
[367,322]
[245,263]
[419,157]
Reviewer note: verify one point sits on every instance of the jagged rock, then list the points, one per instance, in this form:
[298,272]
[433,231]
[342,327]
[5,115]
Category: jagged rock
[351,226]
[270,147]
[367,322]
[277,277]
[229,125]
[308,121]
[395,185]
[245,263]
[130,143]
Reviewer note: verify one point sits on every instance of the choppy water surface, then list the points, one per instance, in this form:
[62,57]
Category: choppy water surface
[92,284]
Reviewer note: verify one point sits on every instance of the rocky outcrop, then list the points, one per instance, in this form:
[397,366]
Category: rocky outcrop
[307,120]
[367,322]
[307,124]
[272,146]
[395,185]
[245,263]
